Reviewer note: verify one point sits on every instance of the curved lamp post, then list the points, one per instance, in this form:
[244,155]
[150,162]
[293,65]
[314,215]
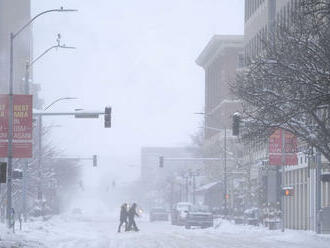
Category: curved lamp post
[40,142]
[28,66]
[11,106]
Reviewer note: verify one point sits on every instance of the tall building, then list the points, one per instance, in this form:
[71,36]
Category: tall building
[13,15]
[220,59]
[299,209]
[260,15]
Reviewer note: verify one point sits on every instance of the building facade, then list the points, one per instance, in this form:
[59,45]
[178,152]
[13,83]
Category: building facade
[13,15]
[220,59]
[300,209]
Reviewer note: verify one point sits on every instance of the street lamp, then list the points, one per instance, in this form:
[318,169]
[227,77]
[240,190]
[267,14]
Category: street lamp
[40,142]
[59,99]
[29,64]
[11,105]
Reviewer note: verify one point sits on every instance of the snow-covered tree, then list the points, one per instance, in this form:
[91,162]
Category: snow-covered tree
[288,85]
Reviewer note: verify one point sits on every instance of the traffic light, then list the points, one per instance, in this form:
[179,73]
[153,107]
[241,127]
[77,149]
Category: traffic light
[236,123]
[226,196]
[161,162]
[94,160]
[107,117]
[288,192]
[3,172]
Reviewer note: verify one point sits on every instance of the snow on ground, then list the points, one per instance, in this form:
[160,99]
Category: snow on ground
[96,227]
[99,231]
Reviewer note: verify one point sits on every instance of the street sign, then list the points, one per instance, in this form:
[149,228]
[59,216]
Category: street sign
[86,115]
[275,148]
[22,126]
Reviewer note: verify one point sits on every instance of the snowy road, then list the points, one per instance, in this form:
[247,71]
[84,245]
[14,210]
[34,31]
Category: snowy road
[68,231]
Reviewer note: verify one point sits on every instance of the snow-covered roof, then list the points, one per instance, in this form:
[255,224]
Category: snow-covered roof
[216,44]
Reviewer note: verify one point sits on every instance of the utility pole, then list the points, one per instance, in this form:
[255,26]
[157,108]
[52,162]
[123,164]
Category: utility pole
[318,191]
[39,197]
[282,180]
[10,131]
[193,175]
[26,161]
[194,188]
[11,107]
[225,171]
[187,187]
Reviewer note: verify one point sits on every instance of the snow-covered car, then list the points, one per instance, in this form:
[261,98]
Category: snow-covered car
[158,214]
[199,216]
[179,213]
[251,216]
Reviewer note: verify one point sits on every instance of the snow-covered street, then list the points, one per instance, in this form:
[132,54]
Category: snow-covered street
[86,231]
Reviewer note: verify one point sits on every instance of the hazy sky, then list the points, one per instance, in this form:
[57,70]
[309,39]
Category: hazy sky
[137,56]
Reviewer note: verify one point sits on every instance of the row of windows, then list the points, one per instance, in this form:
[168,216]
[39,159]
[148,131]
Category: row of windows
[256,45]
[251,6]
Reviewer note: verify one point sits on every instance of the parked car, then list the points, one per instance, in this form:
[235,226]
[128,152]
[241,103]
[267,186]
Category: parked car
[158,214]
[180,212]
[199,216]
[251,216]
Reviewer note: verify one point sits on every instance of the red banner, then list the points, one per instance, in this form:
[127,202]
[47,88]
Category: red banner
[20,149]
[22,125]
[275,148]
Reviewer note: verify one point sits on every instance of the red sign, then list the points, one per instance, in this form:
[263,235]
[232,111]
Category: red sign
[275,148]
[20,149]
[22,125]
[275,142]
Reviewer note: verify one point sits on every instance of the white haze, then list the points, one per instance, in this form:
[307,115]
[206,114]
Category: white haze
[137,56]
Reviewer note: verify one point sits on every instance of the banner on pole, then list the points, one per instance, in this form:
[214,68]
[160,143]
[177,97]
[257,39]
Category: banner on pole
[22,126]
[290,148]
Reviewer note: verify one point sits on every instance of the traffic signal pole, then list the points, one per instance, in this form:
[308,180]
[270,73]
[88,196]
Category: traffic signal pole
[282,182]
[318,192]
[76,114]
[93,158]
[225,172]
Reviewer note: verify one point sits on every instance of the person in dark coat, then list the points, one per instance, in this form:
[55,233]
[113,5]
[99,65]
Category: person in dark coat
[123,217]
[132,212]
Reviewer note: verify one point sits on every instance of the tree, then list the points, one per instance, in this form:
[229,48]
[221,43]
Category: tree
[288,85]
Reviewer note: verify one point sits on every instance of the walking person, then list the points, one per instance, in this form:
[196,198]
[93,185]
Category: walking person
[123,217]
[131,218]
